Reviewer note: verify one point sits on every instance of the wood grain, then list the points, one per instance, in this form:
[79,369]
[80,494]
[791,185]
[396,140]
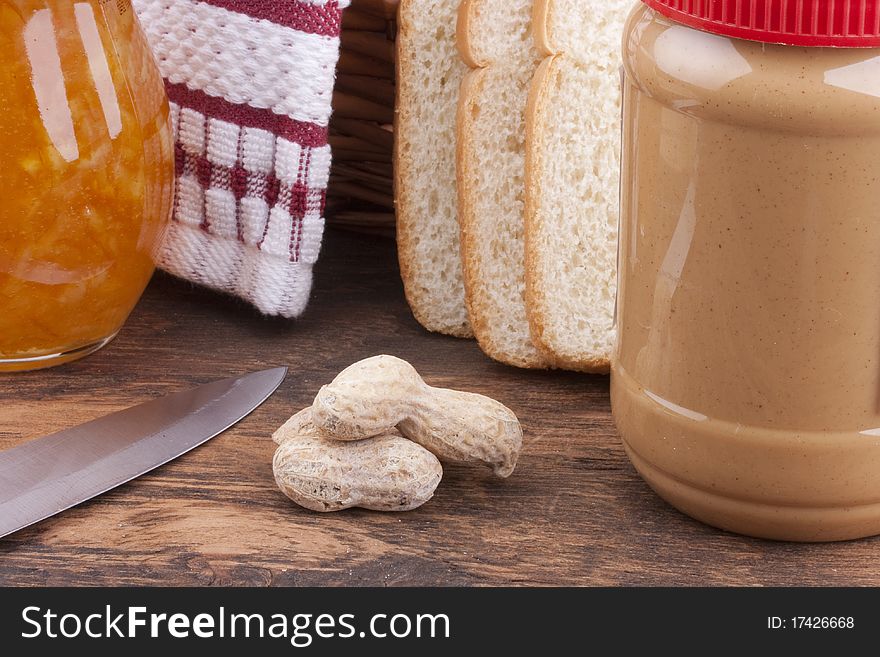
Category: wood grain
[574,512]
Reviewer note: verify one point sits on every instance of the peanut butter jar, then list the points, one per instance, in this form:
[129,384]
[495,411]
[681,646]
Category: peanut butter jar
[746,380]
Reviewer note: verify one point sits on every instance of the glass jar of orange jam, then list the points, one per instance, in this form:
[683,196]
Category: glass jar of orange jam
[86,175]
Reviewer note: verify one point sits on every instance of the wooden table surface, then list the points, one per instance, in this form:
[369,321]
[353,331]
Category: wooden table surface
[574,512]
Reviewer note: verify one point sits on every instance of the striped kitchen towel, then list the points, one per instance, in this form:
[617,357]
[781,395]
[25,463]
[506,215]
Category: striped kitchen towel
[250,84]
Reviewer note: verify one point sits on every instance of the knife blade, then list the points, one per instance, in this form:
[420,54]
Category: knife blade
[51,474]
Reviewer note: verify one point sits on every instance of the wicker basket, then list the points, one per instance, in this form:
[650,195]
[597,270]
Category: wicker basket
[361,195]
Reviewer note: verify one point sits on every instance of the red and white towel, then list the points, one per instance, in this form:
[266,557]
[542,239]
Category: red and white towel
[250,84]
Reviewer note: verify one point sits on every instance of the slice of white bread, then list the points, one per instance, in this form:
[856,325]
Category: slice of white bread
[572,178]
[494,38]
[429,74]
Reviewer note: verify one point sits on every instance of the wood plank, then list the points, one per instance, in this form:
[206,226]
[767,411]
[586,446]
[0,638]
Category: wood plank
[574,512]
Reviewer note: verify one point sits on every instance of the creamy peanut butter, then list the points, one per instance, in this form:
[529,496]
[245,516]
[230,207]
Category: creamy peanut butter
[746,386]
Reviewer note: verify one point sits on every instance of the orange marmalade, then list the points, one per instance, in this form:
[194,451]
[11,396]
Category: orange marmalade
[86,175]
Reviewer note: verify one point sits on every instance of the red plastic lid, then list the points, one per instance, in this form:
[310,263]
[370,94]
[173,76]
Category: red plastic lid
[836,23]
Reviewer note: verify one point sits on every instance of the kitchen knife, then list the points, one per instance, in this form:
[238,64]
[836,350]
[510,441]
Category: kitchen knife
[51,474]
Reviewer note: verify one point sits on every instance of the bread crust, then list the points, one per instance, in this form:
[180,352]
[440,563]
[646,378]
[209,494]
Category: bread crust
[470,85]
[541,13]
[407,224]
[463,34]
[469,96]
[536,296]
